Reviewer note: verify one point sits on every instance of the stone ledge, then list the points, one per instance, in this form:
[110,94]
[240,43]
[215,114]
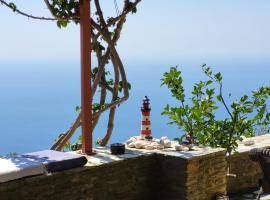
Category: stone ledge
[138,174]
[247,172]
[262,141]
[104,156]
[144,174]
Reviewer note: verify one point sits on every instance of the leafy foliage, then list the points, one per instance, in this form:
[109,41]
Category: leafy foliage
[64,9]
[196,115]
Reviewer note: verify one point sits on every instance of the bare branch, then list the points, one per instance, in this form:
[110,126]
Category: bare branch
[14,9]
[60,143]
[110,125]
[103,94]
[110,53]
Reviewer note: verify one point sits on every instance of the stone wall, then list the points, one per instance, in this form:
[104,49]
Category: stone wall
[206,176]
[171,177]
[164,176]
[247,173]
[128,179]
[199,178]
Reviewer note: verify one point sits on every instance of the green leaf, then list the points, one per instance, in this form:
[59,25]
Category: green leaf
[58,24]
[134,10]
[79,139]
[218,77]
[129,86]
[209,82]
[78,108]
[219,98]
[111,35]
[62,23]
[13,6]
[96,142]
[244,98]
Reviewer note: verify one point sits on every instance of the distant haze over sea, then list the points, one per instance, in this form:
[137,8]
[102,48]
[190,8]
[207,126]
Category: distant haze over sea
[38,98]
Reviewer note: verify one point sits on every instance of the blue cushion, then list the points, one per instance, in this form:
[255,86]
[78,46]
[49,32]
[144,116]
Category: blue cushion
[55,161]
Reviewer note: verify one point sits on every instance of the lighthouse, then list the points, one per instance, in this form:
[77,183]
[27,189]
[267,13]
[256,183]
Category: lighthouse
[145,123]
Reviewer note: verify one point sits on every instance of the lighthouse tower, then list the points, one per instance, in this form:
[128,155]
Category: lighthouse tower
[146,123]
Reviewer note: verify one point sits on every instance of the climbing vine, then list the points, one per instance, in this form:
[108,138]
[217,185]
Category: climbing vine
[113,89]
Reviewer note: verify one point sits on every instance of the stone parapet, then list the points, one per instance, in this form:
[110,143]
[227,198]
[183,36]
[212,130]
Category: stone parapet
[145,174]
[247,172]
[136,175]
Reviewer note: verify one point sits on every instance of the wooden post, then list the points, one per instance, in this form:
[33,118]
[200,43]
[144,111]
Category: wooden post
[86,100]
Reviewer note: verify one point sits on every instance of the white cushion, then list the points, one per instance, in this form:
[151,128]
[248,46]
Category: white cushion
[16,167]
[36,163]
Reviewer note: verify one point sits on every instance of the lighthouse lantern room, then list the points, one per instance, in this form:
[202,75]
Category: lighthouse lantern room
[145,123]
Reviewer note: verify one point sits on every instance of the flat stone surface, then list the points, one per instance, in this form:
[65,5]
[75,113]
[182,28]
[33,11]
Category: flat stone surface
[194,153]
[260,142]
[104,156]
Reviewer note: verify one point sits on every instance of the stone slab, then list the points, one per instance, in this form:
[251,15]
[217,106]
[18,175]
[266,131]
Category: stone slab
[104,156]
[261,141]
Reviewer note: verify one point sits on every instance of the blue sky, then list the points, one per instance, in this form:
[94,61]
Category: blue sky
[192,29]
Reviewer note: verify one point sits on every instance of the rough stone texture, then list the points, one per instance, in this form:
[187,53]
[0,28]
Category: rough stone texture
[128,179]
[144,174]
[206,176]
[247,172]
[136,175]
[250,194]
[171,178]
[200,178]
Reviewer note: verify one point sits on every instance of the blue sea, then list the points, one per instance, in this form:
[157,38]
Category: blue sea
[38,98]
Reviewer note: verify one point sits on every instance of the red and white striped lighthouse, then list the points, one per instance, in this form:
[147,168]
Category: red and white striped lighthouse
[146,123]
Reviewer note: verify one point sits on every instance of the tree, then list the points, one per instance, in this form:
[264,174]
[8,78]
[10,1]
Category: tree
[105,35]
[197,115]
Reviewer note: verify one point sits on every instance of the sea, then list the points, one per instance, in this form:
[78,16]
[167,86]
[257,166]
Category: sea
[38,98]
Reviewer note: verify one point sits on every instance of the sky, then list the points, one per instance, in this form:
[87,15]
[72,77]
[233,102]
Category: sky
[190,29]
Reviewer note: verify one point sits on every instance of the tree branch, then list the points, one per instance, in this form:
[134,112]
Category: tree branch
[55,18]
[110,53]
[14,9]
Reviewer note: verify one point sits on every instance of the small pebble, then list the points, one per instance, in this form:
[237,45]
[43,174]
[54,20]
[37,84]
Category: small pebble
[132,139]
[131,145]
[160,147]
[156,140]
[149,147]
[178,147]
[248,141]
[185,149]
[164,138]
[166,143]
[138,144]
